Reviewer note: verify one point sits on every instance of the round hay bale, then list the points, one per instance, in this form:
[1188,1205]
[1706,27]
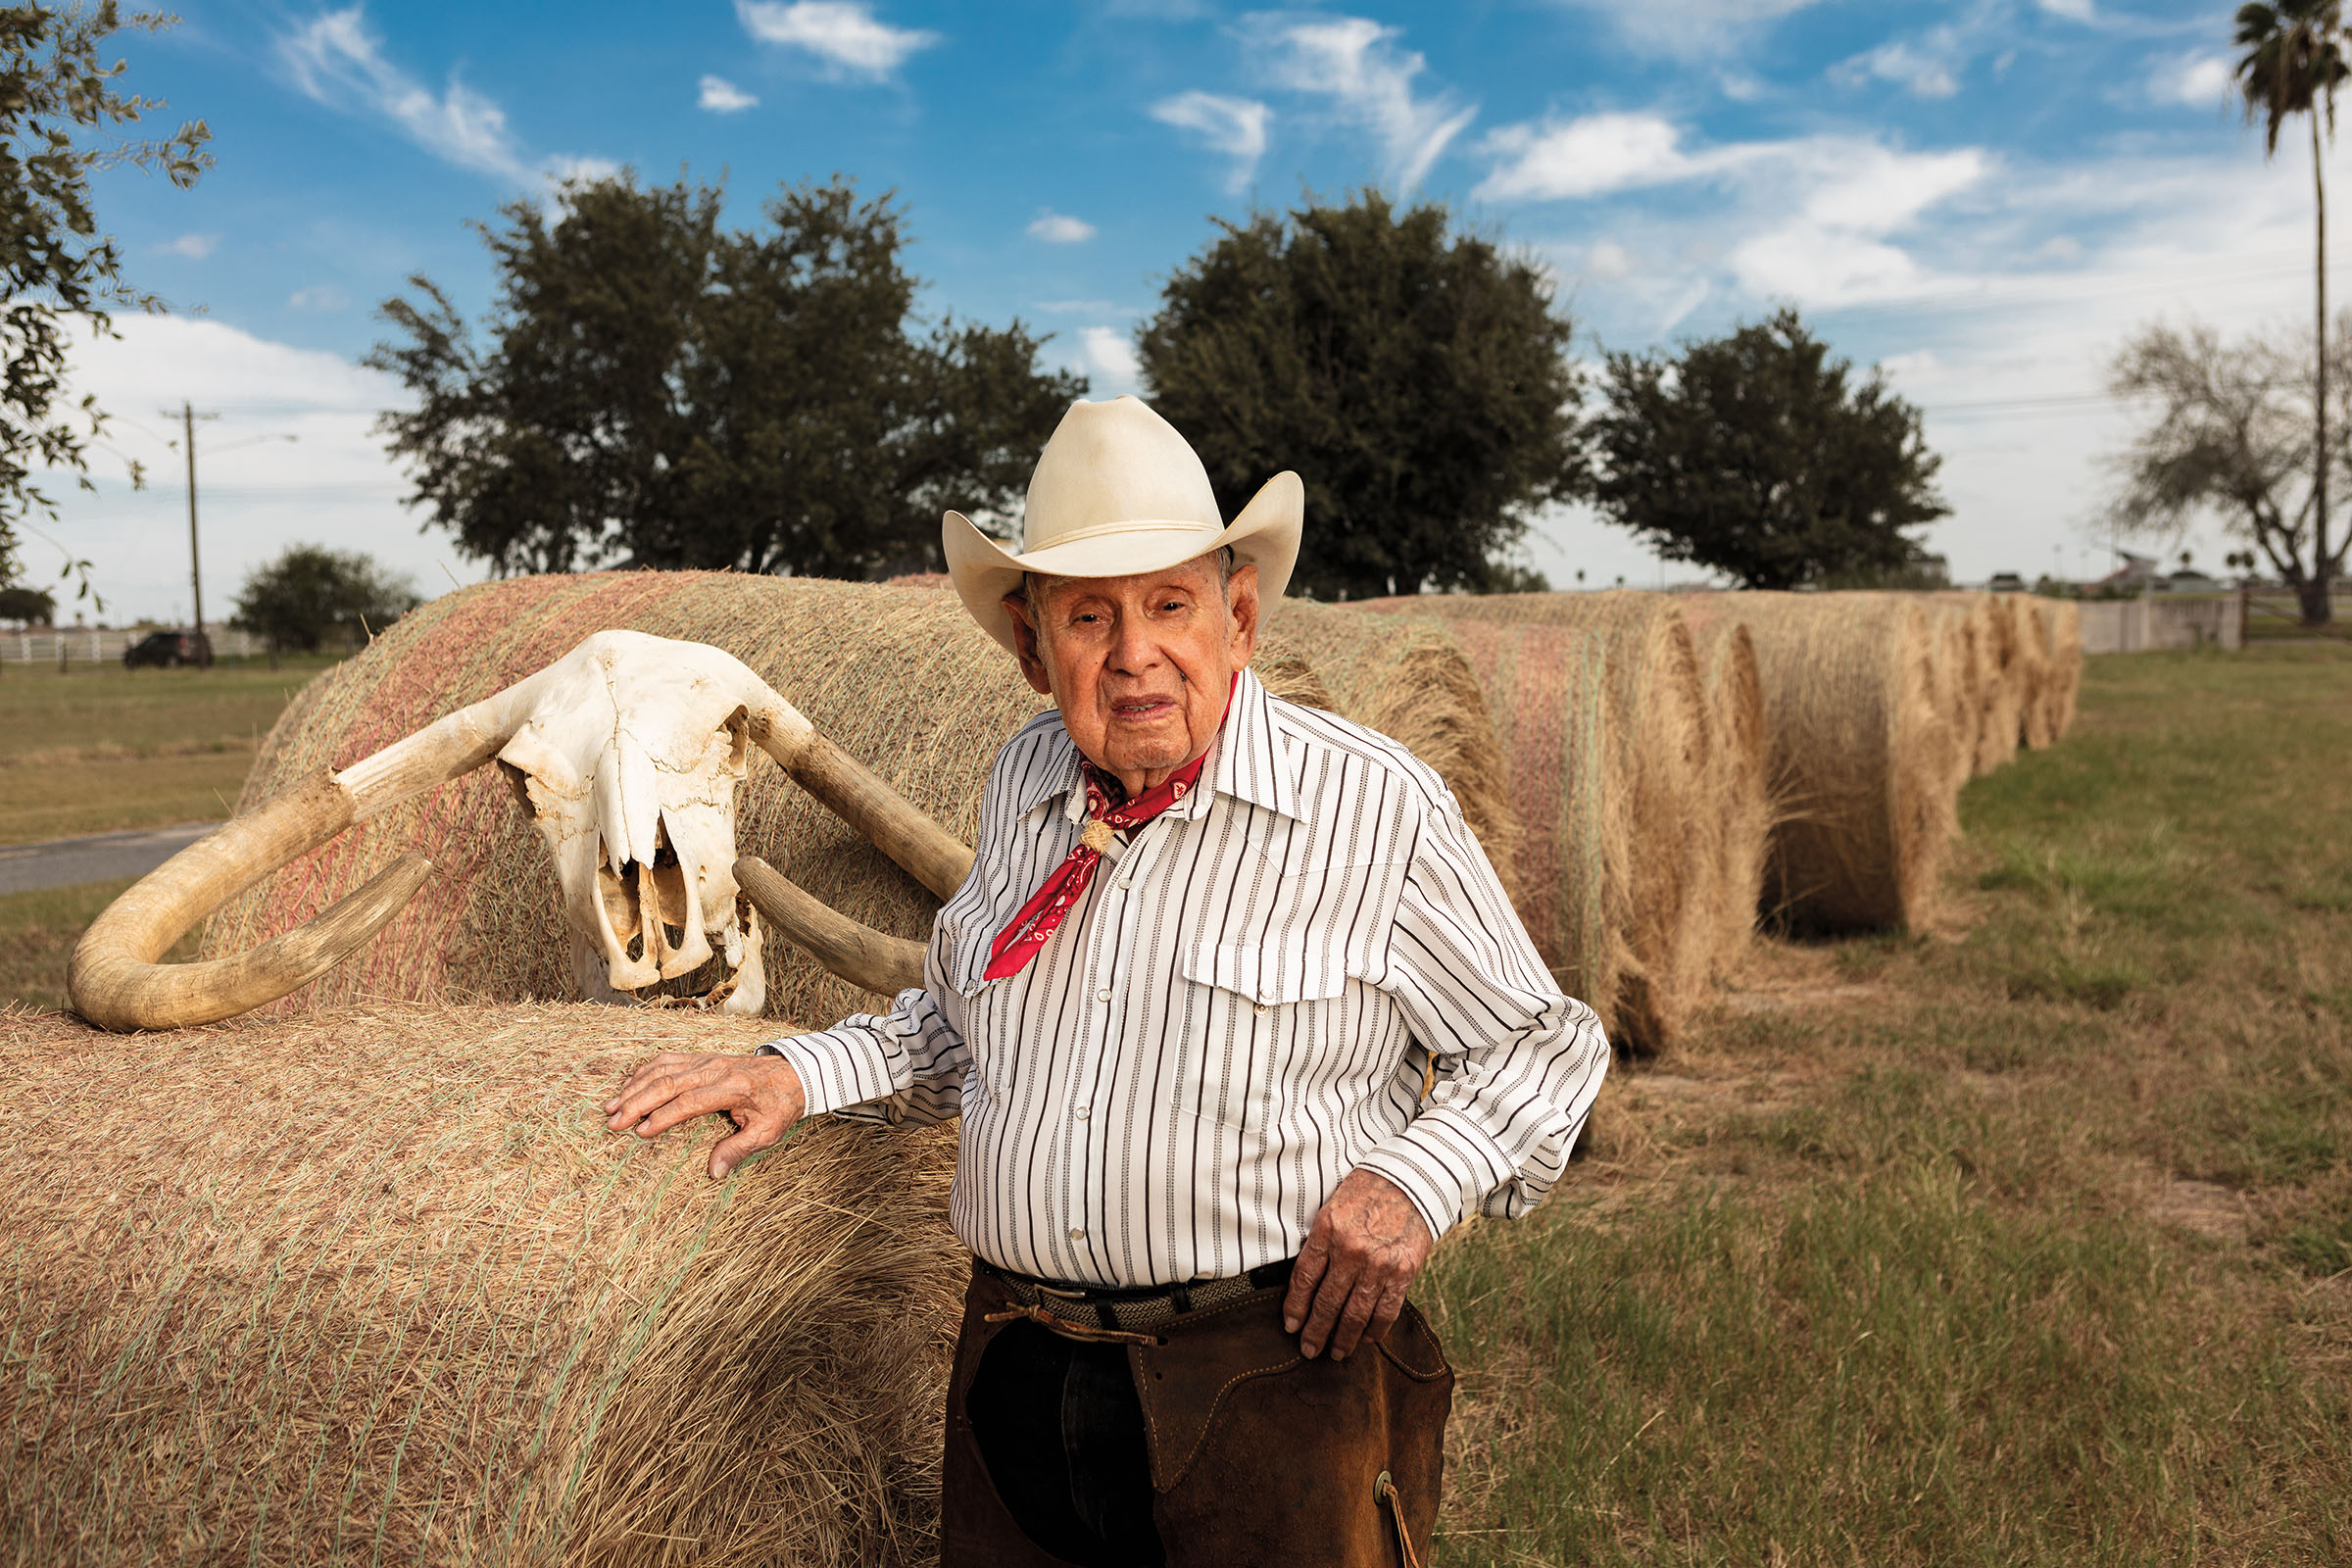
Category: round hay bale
[1743,791]
[1548,690]
[376,1285]
[2062,627]
[2033,674]
[1998,694]
[1862,753]
[1409,680]
[1659,719]
[899,677]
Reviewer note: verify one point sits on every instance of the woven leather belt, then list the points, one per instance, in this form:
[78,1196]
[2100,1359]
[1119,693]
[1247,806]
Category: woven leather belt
[1133,1312]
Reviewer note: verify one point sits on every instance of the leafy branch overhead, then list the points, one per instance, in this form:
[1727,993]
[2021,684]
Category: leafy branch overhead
[1757,455]
[60,107]
[653,388]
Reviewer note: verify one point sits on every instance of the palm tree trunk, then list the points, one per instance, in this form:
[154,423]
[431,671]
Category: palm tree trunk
[2316,608]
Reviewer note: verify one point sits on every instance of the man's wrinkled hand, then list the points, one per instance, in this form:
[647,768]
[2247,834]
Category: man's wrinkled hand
[1363,1254]
[761,1095]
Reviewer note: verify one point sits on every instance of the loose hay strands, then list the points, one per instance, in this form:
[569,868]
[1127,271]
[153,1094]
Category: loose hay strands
[376,1285]
[1850,716]
[1407,679]
[2062,626]
[1739,823]
[1548,690]
[1659,719]
[899,677]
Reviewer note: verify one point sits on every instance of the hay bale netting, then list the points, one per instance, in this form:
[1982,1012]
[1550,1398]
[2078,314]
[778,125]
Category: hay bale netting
[1744,792]
[1407,678]
[1659,720]
[1548,691]
[899,677]
[1999,695]
[376,1285]
[2062,626]
[1864,757]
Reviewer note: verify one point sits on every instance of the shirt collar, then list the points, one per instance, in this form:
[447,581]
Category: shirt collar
[1245,761]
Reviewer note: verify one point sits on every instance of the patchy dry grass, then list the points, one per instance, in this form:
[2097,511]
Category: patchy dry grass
[2020,1242]
[106,749]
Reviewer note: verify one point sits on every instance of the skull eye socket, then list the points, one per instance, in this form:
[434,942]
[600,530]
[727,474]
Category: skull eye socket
[517,781]
[738,730]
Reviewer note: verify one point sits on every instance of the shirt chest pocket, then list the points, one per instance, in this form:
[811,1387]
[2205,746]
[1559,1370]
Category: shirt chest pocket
[1269,976]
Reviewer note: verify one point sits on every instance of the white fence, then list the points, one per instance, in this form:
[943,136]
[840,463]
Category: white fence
[83,647]
[2154,624]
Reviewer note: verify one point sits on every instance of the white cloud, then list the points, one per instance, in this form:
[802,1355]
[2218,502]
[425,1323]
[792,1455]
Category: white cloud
[336,61]
[1109,358]
[843,34]
[1358,65]
[1233,126]
[333,486]
[1692,29]
[195,247]
[1931,69]
[2192,81]
[318,297]
[2070,10]
[1609,261]
[1059,228]
[1594,154]
[723,97]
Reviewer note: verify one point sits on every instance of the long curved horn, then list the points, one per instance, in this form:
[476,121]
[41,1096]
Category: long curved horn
[856,794]
[115,979]
[858,954]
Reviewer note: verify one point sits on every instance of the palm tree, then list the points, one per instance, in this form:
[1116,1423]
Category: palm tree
[2292,63]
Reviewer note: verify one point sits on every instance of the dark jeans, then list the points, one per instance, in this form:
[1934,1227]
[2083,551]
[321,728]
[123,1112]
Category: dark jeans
[1061,1431]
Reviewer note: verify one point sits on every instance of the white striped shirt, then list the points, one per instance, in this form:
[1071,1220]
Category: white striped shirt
[1236,1015]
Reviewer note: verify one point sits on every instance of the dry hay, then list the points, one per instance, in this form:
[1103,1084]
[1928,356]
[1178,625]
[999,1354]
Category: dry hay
[2034,671]
[376,1285]
[899,677]
[2000,693]
[2062,626]
[1658,716]
[1740,825]
[1865,757]
[1548,690]
[1405,678]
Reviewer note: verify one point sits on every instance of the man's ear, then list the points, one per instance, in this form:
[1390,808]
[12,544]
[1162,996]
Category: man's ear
[1241,609]
[1024,638]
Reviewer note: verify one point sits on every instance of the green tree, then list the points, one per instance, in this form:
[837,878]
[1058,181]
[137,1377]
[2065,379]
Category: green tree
[312,595]
[2231,434]
[1417,379]
[27,606]
[656,389]
[1753,455]
[58,110]
[2292,63]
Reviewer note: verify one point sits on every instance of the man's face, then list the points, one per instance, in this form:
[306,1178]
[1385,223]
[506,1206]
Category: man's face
[1140,667]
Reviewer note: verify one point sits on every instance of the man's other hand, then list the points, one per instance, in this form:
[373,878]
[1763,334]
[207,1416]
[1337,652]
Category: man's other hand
[1361,1256]
[761,1095]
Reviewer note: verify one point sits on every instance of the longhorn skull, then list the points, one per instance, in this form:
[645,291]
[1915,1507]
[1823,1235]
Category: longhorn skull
[628,752]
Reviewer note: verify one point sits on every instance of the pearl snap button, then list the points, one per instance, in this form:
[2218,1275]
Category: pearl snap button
[1077,1234]
[1082,1112]
[1103,995]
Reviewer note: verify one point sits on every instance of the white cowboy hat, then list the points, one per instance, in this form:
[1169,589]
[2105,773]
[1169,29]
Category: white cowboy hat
[1116,492]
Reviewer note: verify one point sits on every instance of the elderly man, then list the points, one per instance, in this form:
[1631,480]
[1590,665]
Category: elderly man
[1238,1022]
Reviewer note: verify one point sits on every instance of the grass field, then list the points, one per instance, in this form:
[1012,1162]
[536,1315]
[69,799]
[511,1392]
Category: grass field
[2024,1242]
[103,749]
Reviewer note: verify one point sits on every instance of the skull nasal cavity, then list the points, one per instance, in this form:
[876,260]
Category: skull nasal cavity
[623,897]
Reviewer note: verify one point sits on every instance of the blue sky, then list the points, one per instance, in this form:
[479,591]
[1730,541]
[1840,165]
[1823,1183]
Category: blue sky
[1984,197]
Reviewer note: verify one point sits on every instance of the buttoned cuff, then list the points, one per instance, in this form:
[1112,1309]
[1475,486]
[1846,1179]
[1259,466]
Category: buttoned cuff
[1445,1163]
[838,1067]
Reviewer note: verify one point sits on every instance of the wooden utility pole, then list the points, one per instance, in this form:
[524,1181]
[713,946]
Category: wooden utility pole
[188,421]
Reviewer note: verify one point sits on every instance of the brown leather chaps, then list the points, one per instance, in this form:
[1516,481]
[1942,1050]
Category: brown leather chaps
[1255,1455]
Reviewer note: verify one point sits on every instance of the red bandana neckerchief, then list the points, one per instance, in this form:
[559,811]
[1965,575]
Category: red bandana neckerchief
[1029,931]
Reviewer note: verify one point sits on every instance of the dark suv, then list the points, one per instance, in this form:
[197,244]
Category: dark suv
[168,648]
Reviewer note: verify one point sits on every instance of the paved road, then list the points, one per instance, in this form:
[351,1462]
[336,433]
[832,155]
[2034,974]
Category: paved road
[100,858]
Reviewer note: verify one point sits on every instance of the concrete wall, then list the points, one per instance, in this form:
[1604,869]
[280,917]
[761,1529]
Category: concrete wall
[2151,624]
